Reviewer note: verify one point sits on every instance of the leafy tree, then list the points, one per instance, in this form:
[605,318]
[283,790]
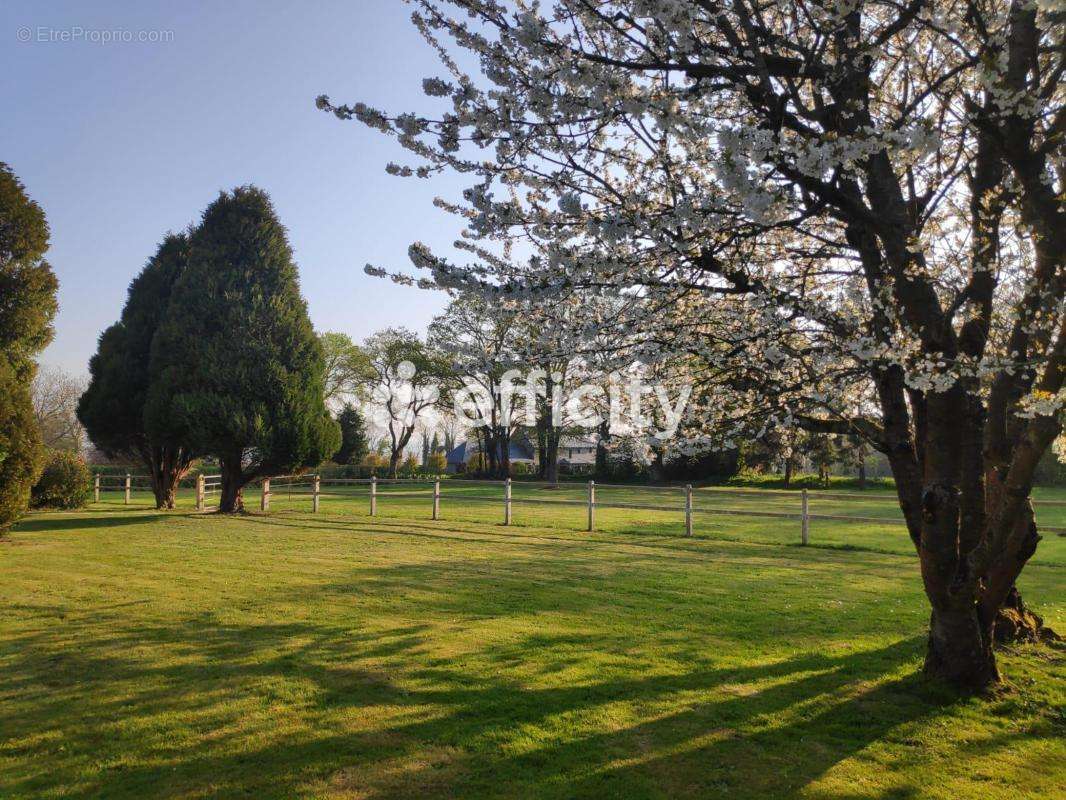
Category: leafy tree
[425,447]
[238,371]
[112,409]
[402,376]
[374,460]
[548,337]
[55,406]
[478,464]
[479,341]
[345,365]
[851,212]
[822,449]
[27,307]
[354,443]
[437,463]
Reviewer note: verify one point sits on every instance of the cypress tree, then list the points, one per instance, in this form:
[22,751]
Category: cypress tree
[354,444]
[112,408]
[238,371]
[27,307]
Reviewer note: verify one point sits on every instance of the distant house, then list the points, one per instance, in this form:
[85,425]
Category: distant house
[577,451]
[460,456]
[574,452]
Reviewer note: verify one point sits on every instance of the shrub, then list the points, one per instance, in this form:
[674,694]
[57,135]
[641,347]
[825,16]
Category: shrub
[1051,471]
[27,306]
[520,468]
[772,480]
[64,482]
[437,464]
[21,453]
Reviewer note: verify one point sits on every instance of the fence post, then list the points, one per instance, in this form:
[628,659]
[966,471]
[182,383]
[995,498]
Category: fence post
[317,492]
[805,523]
[264,501]
[127,488]
[200,492]
[373,495]
[96,489]
[688,509]
[436,498]
[592,504]
[507,502]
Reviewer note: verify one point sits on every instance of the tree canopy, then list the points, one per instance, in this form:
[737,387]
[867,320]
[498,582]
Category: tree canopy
[402,375]
[239,370]
[55,403]
[112,409]
[848,213]
[354,442]
[345,366]
[27,307]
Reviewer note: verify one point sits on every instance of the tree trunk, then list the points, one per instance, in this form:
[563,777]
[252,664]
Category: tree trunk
[504,437]
[232,498]
[1016,624]
[166,467]
[542,446]
[959,651]
[862,472]
[489,451]
[551,455]
[164,495]
[601,449]
[788,471]
[656,470]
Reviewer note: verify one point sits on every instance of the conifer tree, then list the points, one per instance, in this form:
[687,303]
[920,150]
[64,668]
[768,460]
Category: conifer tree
[112,407]
[239,371]
[27,307]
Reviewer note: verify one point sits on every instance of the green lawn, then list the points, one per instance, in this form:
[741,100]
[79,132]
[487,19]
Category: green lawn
[564,508]
[148,654]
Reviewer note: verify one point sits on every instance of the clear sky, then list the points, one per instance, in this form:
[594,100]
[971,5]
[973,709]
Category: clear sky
[120,142]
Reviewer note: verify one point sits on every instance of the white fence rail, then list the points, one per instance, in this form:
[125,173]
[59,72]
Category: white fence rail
[311,485]
[678,499]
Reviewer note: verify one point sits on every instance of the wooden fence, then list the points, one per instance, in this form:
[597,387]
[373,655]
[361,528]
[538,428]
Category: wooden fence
[209,487]
[682,497]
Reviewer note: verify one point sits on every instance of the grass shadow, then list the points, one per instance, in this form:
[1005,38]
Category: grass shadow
[752,731]
[72,521]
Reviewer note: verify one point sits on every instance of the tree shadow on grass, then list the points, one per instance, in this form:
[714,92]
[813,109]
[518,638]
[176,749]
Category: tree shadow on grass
[369,713]
[70,521]
[700,549]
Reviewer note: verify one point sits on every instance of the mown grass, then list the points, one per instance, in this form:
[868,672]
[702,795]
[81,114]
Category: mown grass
[719,513]
[564,508]
[147,654]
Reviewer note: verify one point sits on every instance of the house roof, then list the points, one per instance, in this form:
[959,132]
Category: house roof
[577,441]
[457,454]
[518,450]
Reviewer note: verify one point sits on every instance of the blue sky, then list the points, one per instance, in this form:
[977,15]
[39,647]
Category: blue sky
[120,142]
